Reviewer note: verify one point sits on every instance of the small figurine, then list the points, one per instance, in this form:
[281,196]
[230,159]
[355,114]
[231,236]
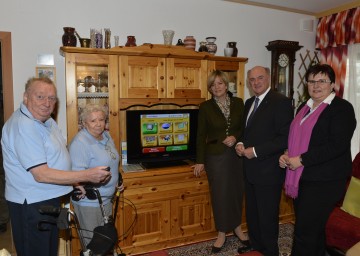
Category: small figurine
[180,43]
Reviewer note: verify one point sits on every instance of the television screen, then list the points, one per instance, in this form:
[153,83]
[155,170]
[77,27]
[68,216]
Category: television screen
[157,138]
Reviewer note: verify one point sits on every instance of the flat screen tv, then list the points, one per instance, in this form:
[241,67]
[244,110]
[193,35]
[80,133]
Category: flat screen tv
[159,138]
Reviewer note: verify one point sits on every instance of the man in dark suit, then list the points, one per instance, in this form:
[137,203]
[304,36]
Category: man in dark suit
[268,115]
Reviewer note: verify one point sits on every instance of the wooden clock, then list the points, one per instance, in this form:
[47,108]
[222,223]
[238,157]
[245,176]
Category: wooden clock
[282,65]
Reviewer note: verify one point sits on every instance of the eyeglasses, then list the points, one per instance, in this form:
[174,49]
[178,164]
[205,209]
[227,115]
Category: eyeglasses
[319,82]
[111,154]
[44,98]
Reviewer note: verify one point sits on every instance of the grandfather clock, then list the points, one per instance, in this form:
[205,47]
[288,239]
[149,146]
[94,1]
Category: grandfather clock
[282,65]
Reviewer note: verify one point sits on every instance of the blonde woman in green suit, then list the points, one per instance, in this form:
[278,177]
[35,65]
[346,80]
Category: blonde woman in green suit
[219,128]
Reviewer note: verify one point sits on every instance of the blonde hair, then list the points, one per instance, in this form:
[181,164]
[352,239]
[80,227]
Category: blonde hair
[31,81]
[217,73]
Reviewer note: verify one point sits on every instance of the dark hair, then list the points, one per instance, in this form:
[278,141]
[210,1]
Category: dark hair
[322,69]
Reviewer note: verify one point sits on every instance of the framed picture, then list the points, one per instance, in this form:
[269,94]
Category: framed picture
[48,71]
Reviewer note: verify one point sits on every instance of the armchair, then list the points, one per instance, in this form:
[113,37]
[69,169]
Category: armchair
[343,229]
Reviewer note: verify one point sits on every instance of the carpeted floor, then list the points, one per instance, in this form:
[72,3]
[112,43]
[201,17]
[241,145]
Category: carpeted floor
[230,249]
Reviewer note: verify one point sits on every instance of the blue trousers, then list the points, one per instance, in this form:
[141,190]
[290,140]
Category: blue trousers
[28,239]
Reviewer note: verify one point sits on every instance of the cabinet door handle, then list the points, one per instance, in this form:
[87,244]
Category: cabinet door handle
[161,77]
[171,77]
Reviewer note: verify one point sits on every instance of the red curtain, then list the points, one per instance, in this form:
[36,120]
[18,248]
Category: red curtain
[334,33]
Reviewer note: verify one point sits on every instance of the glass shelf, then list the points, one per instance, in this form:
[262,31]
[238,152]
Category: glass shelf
[93,95]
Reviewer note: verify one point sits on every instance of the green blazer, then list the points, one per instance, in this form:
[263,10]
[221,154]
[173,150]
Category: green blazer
[212,127]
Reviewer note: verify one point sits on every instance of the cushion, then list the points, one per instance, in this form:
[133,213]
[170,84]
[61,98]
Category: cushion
[342,229]
[351,202]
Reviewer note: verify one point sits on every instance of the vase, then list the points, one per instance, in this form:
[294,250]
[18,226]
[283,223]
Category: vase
[98,39]
[210,44]
[233,45]
[228,52]
[107,43]
[131,41]
[190,43]
[202,47]
[168,36]
[69,38]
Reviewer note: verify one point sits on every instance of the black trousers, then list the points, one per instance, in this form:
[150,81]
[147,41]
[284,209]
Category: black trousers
[28,239]
[262,216]
[313,206]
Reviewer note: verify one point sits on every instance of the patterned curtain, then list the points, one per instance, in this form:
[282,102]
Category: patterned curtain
[334,33]
[336,57]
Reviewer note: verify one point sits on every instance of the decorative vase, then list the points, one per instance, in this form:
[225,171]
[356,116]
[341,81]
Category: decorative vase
[168,36]
[202,47]
[210,44]
[228,52]
[131,41]
[98,39]
[107,43]
[233,45]
[69,38]
[190,43]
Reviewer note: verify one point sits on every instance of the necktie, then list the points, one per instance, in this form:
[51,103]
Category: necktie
[256,103]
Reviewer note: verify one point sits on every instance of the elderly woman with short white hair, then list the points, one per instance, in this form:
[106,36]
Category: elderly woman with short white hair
[93,146]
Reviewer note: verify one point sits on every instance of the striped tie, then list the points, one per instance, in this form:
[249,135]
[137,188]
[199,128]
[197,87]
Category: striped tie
[253,111]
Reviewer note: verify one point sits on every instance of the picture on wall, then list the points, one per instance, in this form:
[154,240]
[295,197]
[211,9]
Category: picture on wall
[48,71]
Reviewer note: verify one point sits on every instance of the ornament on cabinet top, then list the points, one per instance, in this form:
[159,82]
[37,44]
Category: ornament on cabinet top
[190,42]
[233,45]
[180,43]
[210,45]
[131,41]
[69,38]
[202,47]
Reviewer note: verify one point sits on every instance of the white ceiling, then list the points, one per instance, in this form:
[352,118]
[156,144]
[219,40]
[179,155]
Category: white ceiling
[311,7]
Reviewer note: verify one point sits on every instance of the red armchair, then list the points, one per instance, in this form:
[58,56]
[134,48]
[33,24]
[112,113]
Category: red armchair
[343,229]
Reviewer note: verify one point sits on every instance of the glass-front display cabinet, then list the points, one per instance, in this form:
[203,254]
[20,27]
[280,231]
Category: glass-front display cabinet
[92,87]
[88,81]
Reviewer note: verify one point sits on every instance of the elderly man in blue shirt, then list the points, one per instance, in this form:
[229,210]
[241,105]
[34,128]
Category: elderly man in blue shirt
[38,168]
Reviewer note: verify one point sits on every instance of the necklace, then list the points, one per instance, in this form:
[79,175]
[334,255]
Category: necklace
[108,150]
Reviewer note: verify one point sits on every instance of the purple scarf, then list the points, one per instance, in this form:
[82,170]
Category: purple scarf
[298,143]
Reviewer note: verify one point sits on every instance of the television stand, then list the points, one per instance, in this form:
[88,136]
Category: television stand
[163,164]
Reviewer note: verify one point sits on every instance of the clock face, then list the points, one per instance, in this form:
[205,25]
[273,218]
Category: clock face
[283,60]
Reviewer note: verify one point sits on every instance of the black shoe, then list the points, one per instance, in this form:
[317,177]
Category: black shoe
[245,249]
[215,249]
[3,228]
[244,242]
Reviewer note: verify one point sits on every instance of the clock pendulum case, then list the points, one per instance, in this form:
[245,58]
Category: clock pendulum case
[282,65]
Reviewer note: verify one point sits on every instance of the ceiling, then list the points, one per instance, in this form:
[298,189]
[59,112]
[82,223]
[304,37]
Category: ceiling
[317,8]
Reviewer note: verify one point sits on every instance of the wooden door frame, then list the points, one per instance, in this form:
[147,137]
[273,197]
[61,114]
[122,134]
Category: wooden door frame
[6,55]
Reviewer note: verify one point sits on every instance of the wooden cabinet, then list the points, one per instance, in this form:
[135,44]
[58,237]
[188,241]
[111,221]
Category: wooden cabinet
[171,207]
[158,77]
